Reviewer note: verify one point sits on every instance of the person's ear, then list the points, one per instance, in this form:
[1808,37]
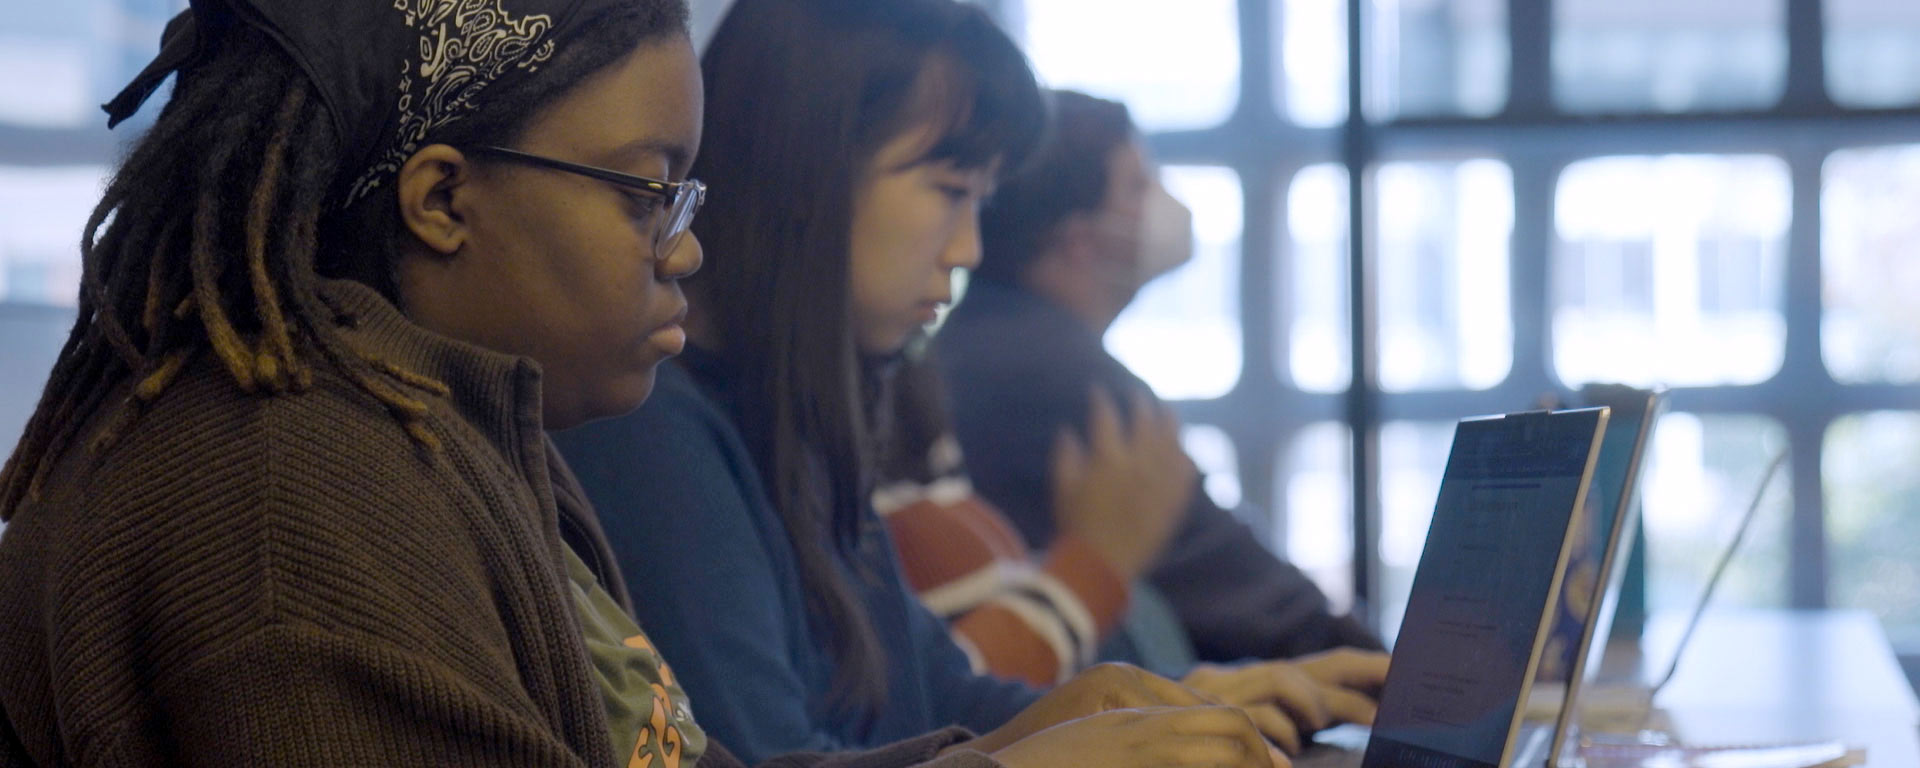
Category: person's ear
[1077,241]
[431,187]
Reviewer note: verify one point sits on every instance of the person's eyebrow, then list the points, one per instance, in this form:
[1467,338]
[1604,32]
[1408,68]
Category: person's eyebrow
[677,154]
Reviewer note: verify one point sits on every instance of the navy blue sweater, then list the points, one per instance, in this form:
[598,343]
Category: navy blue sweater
[1235,598]
[715,585]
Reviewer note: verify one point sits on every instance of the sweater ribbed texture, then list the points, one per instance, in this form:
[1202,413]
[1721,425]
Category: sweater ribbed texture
[290,580]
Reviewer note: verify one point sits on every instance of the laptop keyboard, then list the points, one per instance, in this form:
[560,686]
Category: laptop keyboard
[1345,746]
[1338,747]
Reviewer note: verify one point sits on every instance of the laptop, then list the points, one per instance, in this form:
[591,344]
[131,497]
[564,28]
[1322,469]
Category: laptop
[1479,615]
[1591,592]
[1626,708]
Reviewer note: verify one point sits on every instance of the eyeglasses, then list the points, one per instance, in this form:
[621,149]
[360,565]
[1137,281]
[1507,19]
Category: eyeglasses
[683,198]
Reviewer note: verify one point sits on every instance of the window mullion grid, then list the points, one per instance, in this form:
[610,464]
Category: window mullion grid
[1281,425]
[1535,176]
[1363,393]
[1806,86]
[1803,375]
[1259,396]
[49,147]
[1530,52]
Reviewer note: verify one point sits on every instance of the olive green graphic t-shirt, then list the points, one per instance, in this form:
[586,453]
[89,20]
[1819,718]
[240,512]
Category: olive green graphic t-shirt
[647,712]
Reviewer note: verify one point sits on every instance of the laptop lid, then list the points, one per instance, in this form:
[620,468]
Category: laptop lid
[1592,593]
[1487,582]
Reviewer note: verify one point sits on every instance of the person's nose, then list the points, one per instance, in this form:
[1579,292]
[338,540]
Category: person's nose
[963,248]
[683,260]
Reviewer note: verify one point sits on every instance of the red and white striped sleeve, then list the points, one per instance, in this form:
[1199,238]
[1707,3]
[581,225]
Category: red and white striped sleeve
[1034,621]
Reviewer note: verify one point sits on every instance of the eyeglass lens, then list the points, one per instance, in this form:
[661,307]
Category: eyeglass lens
[679,218]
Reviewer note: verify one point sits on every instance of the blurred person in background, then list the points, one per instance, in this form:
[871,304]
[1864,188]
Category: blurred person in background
[1067,244]
[1039,616]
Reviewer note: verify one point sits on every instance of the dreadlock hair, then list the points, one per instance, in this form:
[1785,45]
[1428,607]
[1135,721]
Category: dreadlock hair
[219,223]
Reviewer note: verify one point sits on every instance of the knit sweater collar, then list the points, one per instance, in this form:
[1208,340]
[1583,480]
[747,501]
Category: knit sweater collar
[498,394]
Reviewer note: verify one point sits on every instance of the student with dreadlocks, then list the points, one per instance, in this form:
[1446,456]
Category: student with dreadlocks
[287,498]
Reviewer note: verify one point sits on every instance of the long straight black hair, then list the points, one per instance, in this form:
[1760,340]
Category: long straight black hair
[800,94]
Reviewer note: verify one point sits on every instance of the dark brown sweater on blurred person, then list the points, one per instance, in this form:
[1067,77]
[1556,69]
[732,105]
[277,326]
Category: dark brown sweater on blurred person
[291,580]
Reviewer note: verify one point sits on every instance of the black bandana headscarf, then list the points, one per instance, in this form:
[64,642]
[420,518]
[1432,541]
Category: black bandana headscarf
[391,72]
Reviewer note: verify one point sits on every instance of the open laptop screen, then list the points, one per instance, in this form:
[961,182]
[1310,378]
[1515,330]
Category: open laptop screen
[1494,552]
[1608,527]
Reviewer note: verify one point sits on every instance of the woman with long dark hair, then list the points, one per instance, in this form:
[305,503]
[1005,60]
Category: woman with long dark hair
[856,139]
[286,499]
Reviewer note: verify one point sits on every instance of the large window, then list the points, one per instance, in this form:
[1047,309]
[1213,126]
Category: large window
[1183,331]
[1669,270]
[1179,69]
[1715,197]
[58,62]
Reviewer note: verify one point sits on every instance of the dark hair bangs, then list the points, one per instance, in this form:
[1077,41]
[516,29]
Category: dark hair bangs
[996,109]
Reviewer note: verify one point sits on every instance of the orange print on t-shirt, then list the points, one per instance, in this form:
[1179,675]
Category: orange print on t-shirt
[669,744]
[641,642]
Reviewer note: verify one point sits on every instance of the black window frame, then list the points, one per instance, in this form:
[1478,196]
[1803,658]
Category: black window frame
[1537,140]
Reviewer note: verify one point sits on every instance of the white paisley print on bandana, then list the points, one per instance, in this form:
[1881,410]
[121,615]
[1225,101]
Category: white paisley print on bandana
[464,46]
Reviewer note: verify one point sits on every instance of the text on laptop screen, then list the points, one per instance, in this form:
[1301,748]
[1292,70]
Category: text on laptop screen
[1481,589]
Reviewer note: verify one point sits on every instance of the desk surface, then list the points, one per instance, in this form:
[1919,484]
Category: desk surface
[1771,676]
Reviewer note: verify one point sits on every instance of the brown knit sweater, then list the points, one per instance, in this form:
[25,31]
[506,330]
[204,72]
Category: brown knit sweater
[290,580]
